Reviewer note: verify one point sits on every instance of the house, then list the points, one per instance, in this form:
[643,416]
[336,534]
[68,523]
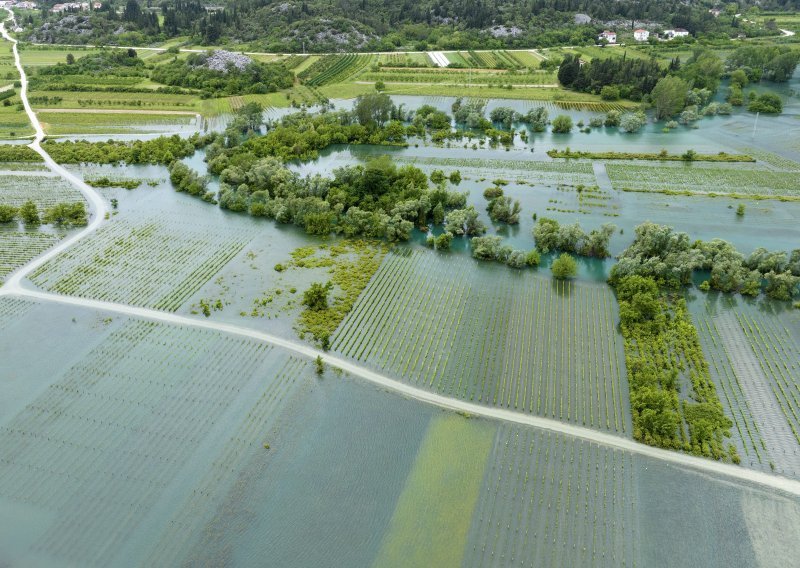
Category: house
[610,37]
[677,32]
[641,35]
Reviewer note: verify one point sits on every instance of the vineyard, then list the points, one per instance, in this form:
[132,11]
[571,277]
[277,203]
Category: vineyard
[121,426]
[11,309]
[545,172]
[44,190]
[334,69]
[60,123]
[244,446]
[708,180]
[765,361]
[17,248]
[157,264]
[549,500]
[505,338]
[447,75]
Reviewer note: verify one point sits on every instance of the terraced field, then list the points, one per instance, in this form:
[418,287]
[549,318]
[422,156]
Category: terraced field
[157,263]
[502,338]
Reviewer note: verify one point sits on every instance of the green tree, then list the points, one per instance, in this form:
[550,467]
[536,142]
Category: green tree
[373,110]
[562,124]
[29,213]
[564,267]
[7,213]
[316,297]
[669,96]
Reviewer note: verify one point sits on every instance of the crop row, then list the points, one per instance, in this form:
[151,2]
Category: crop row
[733,398]
[11,309]
[552,172]
[100,446]
[16,248]
[243,453]
[334,69]
[157,264]
[511,340]
[459,76]
[713,180]
[779,357]
[551,500]
[45,191]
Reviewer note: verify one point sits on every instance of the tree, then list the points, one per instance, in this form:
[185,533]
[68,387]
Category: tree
[740,210]
[564,267]
[669,96]
[7,213]
[29,213]
[319,365]
[316,297]
[562,124]
[537,118]
[70,59]
[739,78]
[380,86]
[486,248]
[766,102]
[533,258]
[66,215]
[373,110]
[609,93]
[632,121]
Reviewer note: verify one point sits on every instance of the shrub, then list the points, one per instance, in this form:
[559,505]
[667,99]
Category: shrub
[564,267]
[562,124]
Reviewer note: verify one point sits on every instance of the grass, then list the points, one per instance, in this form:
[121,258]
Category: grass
[40,56]
[433,514]
[111,100]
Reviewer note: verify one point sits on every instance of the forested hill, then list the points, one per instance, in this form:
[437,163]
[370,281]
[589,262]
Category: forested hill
[350,25]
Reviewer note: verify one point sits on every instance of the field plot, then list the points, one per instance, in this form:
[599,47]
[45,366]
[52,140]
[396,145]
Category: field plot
[746,434]
[244,444]
[12,308]
[550,500]
[102,445]
[17,248]
[546,172]
[158,263]
[334,69]
[503,338]
[765,356]
[746,181]
[59,123]
[43,190]
[473,77]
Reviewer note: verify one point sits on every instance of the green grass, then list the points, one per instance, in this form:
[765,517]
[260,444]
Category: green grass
[433,515]
[105,100]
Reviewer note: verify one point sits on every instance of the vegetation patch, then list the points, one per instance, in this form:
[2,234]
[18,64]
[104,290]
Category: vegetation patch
[350,266]
[664,156]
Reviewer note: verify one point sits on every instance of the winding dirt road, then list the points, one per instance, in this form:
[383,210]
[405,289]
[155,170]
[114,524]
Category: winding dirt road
[14,287]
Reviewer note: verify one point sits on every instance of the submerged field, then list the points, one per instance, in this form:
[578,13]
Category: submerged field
[508,339]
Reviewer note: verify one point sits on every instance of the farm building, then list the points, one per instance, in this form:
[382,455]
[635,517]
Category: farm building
[610,37]
[641,35]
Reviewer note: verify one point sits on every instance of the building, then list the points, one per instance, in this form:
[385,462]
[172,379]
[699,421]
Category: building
[677,32]
[641,35]
[610,37]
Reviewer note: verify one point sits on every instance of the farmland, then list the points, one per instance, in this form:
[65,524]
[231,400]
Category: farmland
[164,263]
[520,342]
[17,248]
[43,190]
[548,500]
[739,181]
[754,359]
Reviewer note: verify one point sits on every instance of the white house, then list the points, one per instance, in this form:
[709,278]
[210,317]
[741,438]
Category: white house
[641,35]
[610,37]
[677,32]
